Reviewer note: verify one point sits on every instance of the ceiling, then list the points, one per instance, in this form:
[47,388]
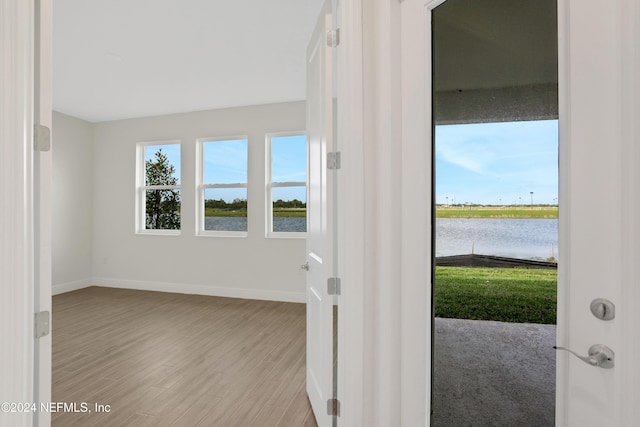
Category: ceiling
[120,59]
[488,44]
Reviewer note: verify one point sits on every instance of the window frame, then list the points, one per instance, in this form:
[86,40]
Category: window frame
[270,185]
[141,189]
[201,187]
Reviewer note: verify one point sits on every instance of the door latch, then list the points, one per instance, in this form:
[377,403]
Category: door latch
[603,309]
[600,356]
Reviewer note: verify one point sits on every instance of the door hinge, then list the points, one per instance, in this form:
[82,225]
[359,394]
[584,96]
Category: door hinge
[333,160]
[42,324]
[333,37]
[333,286]
[41,138]
[333,407]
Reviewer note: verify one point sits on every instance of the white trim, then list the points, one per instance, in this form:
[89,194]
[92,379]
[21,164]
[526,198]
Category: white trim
[222,233]
[353,362]
[416,316]
[233,185]
[43,175]
[288,184]
[62,288]
[141,188]
[186,288]
[201,186]
[269,186]
[564,213]
[17,257]
[153,232]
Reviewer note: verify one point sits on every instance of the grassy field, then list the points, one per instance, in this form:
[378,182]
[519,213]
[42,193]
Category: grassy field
[223,212]
[497,212]
[517,295]
[290,212]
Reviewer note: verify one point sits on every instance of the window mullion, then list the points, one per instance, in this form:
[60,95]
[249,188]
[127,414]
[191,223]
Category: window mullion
[289,184]
[230,185]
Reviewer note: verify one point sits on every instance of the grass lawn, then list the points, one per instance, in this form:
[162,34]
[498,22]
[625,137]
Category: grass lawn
[224,212]
[518,295]
[497,212]
[289,212]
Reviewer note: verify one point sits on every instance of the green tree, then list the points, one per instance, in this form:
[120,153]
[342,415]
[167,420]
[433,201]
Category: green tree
[162,206]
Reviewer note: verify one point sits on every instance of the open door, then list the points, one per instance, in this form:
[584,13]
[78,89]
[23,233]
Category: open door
[320,221]
[599,198]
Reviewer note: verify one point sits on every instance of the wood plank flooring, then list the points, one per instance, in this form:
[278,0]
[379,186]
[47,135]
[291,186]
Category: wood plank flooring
[162,359]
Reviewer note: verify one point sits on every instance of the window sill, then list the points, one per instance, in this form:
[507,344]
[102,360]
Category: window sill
[287,235]
[233,234]
[159,232]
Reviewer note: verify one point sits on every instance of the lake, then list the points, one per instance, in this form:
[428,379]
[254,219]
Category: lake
[508,237]
[239,223]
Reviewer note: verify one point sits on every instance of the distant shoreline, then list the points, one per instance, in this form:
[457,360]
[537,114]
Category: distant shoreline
[492,261]
[476,211]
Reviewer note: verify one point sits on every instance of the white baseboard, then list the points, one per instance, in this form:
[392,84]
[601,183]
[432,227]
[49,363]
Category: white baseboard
[217,291]
[61,288]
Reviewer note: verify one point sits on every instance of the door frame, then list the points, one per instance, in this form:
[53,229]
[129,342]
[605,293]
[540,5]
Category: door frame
[16,209]
[25,271]
[43,205]
[383,336]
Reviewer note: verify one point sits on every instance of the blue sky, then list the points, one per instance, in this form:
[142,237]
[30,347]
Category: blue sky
[289,164]
[226,163]
[172,151]
[486,163]
[497,163]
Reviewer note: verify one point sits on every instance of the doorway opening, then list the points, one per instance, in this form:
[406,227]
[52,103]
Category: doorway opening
[495,208]
[213,259]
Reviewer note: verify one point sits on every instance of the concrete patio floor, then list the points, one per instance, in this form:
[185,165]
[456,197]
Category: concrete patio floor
[493,374]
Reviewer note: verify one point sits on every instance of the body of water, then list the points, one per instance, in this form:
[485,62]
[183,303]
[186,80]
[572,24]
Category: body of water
[290,224]
[508,237]
[239,223]
[225,223]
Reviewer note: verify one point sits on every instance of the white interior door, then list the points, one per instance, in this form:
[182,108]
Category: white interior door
[599,202]
[320,221]
[599,65]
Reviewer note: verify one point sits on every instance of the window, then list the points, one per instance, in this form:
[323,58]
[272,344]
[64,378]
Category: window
[222,186]
[158,187]
[286,185]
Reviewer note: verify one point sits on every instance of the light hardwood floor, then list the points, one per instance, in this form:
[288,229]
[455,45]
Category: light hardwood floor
[162,359]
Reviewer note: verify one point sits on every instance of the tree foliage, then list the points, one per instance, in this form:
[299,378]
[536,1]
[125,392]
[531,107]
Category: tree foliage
[162,206]
[221,204]
[295,203]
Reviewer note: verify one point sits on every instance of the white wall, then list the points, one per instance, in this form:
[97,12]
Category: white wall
[72,203]
[313,12]
[251,267]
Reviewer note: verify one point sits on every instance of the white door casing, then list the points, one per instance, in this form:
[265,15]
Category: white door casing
[320,220]
[16,208]
[25,218]
[599,61]
[43,214]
